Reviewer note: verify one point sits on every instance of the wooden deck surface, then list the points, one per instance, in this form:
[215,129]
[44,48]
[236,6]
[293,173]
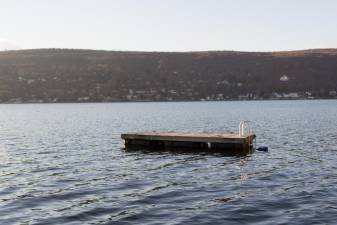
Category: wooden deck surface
[189,137]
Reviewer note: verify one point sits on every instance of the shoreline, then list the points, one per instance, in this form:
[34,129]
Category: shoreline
[150,101]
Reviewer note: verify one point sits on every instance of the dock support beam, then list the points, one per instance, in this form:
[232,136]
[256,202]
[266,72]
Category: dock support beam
[243,148]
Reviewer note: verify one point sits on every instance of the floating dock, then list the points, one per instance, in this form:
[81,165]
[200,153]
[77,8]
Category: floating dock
[226,143]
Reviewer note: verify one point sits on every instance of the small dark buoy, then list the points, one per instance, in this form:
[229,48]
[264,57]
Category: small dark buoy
[262,149]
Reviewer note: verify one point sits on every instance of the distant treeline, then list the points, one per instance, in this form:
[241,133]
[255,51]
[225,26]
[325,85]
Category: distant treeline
[64,75]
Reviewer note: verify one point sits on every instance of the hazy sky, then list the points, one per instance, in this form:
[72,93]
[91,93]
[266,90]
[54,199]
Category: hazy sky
[169,25]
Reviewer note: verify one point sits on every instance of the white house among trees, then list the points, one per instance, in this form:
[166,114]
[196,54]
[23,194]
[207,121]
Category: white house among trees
[284,78]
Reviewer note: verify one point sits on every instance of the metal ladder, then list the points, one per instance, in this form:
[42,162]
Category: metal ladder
[243,126]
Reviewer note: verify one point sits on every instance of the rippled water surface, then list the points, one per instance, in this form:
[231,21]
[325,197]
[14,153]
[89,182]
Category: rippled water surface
[65,164]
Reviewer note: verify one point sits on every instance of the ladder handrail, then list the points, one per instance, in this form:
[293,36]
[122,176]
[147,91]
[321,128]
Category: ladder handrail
[245,124]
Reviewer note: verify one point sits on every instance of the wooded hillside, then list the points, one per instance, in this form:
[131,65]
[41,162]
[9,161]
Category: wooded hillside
[61,75]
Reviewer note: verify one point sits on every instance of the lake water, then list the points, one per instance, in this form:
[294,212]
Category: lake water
[64,164]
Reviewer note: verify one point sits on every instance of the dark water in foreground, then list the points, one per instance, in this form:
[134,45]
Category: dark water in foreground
[63,164]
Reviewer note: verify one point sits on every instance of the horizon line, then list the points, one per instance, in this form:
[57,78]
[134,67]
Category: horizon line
[140,51]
